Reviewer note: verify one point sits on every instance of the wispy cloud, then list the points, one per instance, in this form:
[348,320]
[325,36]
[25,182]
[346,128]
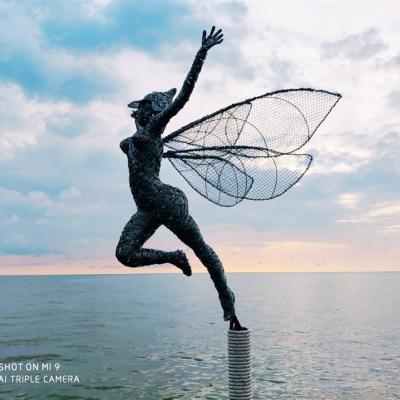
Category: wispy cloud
[303,246]
[383,217]
[355,47]
[390,229]
[386,209]
[349,200]
[12,220]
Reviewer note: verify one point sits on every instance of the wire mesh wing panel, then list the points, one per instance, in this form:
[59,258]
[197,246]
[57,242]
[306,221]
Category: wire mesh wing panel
[215,178]
[229,176]
[247,150]
[272,175]
[220,129]
[281,121]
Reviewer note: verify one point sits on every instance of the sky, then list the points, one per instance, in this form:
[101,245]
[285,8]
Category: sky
[69,68]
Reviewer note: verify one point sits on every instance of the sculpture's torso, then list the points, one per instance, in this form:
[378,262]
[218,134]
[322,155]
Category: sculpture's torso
[145,151]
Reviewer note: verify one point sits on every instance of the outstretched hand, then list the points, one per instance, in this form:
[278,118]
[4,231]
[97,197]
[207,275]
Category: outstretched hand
[212,39]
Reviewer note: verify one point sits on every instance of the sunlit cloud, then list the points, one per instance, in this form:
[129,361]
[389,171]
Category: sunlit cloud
[383,217]
[305,246]
[391,229]
[384,210]
[349,200]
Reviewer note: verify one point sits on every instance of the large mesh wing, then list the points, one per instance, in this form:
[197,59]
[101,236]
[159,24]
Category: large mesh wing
[227,176]
[273,175]
[281,121]
[247,150]
[220,129]
[222,180]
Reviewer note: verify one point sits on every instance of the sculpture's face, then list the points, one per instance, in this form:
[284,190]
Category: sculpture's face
[144,113]
[153,103]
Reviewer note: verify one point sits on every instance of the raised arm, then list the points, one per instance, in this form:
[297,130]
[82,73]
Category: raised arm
[181,99]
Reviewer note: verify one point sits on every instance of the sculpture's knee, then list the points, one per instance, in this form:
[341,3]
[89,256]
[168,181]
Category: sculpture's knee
[125,256]
[120,255]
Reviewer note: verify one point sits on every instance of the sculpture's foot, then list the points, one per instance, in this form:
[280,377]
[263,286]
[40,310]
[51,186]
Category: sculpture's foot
[234,324]
[181,261]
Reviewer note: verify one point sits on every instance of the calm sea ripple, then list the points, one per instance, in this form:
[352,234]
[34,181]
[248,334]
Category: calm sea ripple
[162,337]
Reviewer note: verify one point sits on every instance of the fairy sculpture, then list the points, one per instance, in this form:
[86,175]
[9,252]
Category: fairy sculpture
[244,151]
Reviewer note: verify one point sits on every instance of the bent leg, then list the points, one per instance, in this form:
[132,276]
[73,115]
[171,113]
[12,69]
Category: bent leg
[189,233]
[137,231]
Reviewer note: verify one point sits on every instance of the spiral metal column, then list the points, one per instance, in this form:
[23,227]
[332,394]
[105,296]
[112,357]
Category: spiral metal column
[239,365]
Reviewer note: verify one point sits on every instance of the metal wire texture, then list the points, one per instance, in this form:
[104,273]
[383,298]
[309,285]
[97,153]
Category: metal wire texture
[247,150]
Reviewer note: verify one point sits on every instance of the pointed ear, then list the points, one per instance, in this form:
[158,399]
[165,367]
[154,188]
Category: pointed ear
[134,104]
[172,92]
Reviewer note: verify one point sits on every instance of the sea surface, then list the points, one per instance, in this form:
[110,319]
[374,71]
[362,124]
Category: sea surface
[314,335]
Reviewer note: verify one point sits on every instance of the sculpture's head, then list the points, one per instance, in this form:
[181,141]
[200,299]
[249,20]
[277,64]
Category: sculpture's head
[153,103]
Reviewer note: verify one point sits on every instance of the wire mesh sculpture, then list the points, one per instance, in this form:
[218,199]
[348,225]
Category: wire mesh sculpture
[244,151]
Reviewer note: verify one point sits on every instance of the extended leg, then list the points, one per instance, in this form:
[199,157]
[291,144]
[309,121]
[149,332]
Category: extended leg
[137,231]
[189,233]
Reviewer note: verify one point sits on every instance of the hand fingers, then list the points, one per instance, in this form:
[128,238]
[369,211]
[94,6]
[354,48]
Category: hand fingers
[219,41]
[212,30]
[218,37]
[204,36]
[218,32]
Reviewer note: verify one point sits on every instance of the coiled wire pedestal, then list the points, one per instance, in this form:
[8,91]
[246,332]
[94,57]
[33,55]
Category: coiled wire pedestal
[239,365]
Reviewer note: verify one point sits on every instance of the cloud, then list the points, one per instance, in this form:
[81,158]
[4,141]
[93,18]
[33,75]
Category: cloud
[62,223]
[382,217]
[10,197]
[70,193]
[303,246]
[390,230]
[14,219]
[57,53]
[386,209]
[354,220]
[395,61]
[386,154]
[26,122]
[84,26]
[349,200]
[21,120]
[29,59]
[355,47]
[340,152]
[394,98]
[65,203]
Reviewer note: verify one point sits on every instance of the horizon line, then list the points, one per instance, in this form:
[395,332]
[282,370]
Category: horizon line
[205,272]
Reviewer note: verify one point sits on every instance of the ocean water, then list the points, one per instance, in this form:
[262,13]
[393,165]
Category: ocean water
[314,336]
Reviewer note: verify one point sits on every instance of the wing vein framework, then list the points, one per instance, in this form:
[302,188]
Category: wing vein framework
[248,150]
